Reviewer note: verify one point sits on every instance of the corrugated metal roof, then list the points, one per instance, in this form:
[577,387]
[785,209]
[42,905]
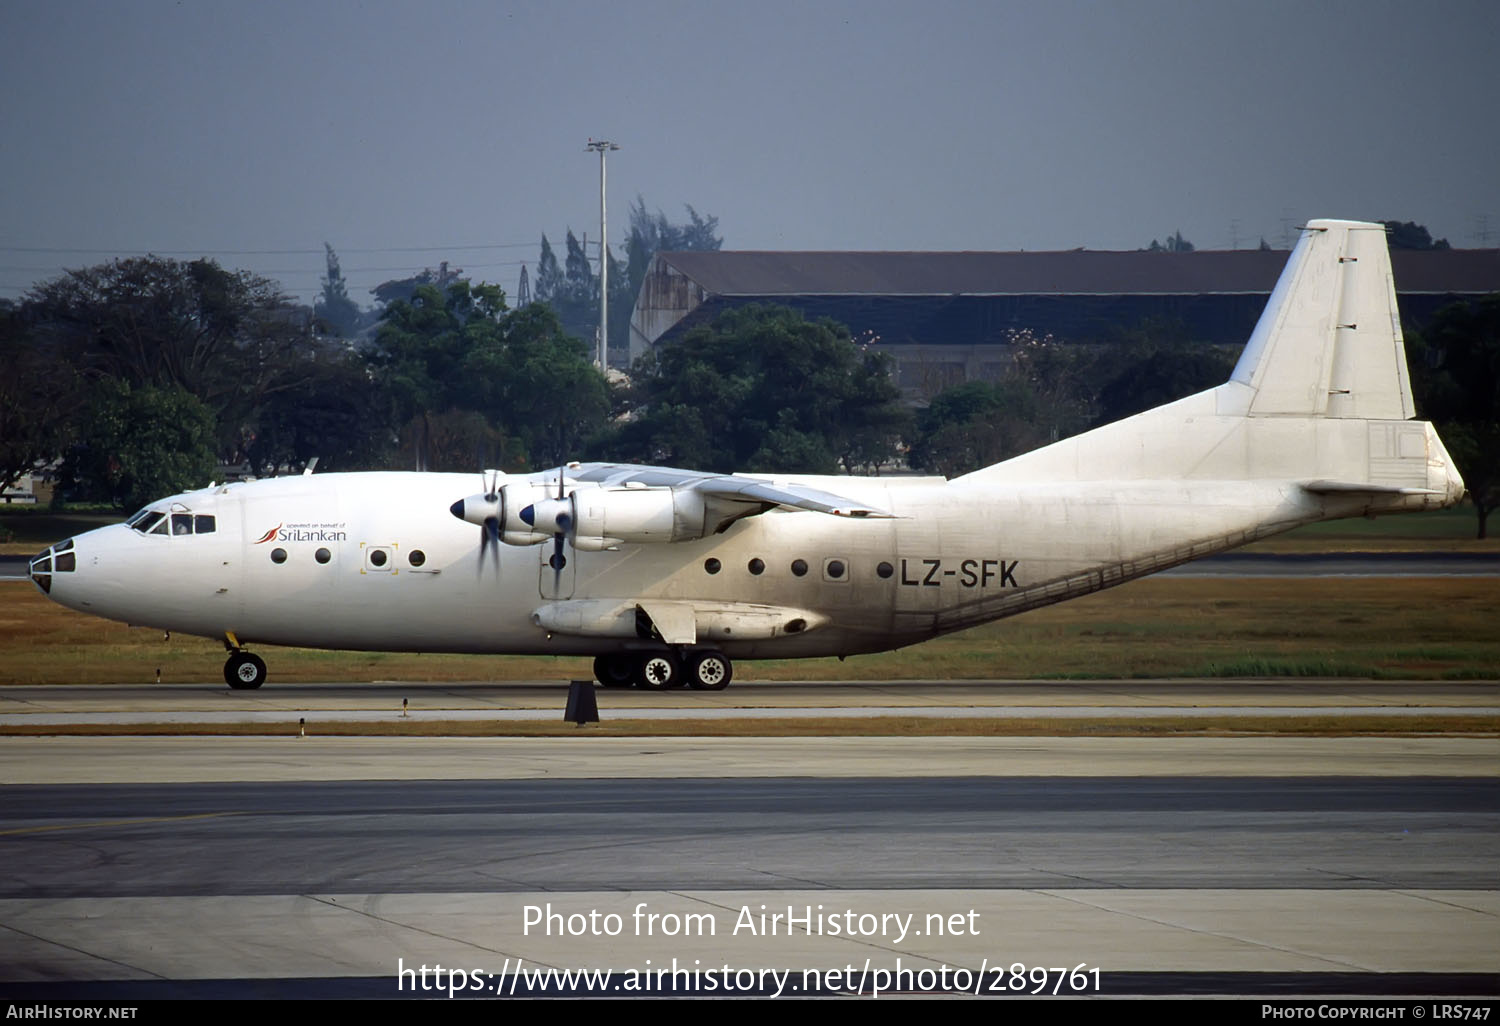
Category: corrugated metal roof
[1074,272]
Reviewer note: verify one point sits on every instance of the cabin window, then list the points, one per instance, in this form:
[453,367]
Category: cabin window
[278,556]
[799,567]
[322,555]
[834,569]
[712,565]
[377,557]
[756,566]
[885,570]
[416,557]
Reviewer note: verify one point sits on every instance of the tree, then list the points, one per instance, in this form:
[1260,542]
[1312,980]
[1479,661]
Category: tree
[975,424]
[580,286]
[464,350]
[539,385]
[229,338]
[334,309]
[548,274]
[1456,377]
[39,396]
[762,388]
[332,411]
[1410,235]
[1054,391]
[137,444]
[388,292]
[1175,244]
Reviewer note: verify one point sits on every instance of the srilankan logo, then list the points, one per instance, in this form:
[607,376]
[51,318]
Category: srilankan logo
[285,532]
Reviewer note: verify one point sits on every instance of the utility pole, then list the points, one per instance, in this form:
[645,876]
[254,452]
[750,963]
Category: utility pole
[603,146]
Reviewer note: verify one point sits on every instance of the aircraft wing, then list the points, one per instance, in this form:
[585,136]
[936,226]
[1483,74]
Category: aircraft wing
[734,489]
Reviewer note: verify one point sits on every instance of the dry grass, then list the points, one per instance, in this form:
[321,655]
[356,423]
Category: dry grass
[1399,628]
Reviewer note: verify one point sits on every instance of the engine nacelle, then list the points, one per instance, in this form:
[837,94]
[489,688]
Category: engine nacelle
[521,525]
[606,517]
[591,518]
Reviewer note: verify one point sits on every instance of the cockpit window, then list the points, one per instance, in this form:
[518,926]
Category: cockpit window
[146,519]
[179,524]
[137,517]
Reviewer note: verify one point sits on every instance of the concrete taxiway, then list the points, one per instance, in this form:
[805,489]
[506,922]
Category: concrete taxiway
[284,866]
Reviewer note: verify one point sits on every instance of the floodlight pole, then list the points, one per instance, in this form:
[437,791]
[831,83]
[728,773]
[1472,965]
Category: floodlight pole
[603,146]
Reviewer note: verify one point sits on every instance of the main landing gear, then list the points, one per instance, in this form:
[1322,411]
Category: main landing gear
[700,669]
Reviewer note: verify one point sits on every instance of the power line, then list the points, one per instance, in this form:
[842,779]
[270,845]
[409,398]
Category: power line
[264,252]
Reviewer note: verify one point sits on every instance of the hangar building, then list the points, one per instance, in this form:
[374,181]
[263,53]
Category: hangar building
[949,317]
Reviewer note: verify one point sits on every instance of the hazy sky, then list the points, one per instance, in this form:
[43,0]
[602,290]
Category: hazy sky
[233,129]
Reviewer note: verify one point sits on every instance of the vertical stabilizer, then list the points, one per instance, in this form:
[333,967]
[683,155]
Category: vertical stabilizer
[1329,342]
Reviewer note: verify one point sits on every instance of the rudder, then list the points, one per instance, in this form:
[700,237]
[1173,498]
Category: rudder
[1329,343]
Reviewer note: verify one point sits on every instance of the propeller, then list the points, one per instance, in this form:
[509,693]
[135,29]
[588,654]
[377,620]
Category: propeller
[490,511]
[564,523]
[560,512]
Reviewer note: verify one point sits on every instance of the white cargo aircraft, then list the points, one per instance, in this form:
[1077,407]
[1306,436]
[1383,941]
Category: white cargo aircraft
[665,576]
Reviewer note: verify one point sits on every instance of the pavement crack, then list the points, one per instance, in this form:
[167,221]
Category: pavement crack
[81,951]
[1221,934]
[332,903]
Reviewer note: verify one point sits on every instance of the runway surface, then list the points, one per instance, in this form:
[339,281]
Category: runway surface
[731,834]
[385,701]
[1256,695]
[273,866]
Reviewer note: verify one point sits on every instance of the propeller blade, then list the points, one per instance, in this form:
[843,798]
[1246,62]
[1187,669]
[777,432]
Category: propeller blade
[490,539]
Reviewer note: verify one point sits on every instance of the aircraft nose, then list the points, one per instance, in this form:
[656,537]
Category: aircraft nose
[58,559]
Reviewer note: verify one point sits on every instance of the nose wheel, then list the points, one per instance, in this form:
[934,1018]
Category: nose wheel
[244,672]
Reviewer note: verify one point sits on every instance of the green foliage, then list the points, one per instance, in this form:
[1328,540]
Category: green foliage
[138,444]
[1456,377]
[329,409]
[39,394]
[762,388]
[574,293]
[1053,391]
[335,311]
[230,338]
[1175,244]
[1410,235]
[464,350]
[548,273]
[976,424]
[402,289]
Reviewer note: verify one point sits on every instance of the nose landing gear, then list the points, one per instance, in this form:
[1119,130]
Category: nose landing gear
[242,670]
